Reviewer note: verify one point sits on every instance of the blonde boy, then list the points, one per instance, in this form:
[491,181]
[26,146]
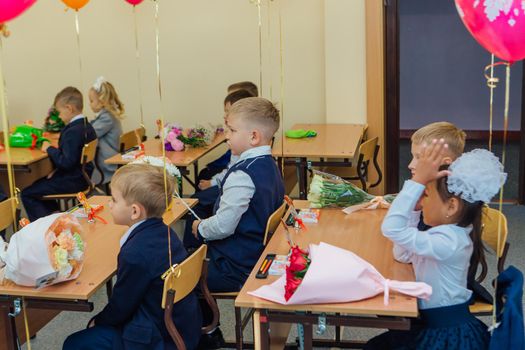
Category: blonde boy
[133,317]
[453,136]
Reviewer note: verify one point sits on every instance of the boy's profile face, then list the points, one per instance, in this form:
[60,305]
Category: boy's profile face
[66,111]
[416,149]
[239,137]
[120,210]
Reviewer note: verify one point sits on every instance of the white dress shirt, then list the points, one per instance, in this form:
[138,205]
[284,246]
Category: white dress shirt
[440,256]
[236,195]
[125,237]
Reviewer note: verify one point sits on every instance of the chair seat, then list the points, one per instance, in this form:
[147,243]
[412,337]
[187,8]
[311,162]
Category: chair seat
[64,195]
[480,307]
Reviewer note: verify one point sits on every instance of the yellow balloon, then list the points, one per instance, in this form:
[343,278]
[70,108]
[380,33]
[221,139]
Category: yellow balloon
[75,4]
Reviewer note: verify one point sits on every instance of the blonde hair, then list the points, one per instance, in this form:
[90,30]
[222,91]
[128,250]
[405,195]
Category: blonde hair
[70,96]
[109,99]
[453,136]
[257,112]
[144,184]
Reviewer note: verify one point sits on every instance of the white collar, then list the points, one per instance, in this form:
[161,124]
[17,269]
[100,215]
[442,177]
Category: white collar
[256,152]
[125,237]
[77,117]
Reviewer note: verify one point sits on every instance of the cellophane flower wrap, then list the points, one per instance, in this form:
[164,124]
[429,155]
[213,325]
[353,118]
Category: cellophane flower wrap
[327,190]
[299,261]
[47,251]
[53,122]
[336,275]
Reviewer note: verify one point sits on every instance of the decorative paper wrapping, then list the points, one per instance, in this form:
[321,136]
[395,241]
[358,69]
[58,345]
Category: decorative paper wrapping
[47,251]
[336,275]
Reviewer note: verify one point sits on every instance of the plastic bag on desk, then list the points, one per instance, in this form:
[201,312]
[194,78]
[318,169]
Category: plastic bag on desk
[47,251]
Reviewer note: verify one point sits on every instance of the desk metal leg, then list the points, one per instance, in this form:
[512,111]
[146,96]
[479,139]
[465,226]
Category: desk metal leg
[301,166]
[308,336]
[196,174]
[264,329]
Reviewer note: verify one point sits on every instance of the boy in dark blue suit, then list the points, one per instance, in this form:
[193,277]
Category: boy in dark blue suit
[67,176]
[251,191]
[133,317]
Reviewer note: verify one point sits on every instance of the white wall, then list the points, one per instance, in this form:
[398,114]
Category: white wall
[204,46]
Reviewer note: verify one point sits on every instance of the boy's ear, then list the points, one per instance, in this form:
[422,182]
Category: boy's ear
[255,137]
[137,211]
[446,160]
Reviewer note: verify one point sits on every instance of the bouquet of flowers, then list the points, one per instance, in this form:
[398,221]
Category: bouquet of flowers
[47,251]
[327,190]
[172,133]
[53,123]
[199,136]
[325,281]
[298,263]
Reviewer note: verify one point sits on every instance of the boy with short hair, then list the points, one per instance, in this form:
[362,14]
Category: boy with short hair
[251,191]
[133,317]
[67,176]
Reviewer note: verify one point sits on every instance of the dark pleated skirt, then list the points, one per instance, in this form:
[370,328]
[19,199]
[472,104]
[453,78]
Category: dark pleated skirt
[444,328]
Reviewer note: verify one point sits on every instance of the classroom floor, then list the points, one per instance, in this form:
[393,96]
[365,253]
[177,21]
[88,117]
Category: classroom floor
[53,335]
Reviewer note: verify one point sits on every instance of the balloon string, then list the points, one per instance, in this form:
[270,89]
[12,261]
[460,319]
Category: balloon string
[491,100]
[281,80]
[137,58]
[26,325]
[259,15]
[503,156]
[77,27]
[159,86]
[269,9]
[5,126]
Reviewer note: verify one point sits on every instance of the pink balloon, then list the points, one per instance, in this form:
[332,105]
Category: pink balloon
[498,26]
[10,9]
[134,2]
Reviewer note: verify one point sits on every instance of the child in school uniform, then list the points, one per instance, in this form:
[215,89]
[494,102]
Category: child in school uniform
[251,191]
[209,187]
[133,317]
[454,137]
[104,101]
[67,176]
[451,201]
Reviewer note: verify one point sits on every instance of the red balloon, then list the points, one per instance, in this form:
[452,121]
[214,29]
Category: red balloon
[498,26]
[134,2]
[10,9]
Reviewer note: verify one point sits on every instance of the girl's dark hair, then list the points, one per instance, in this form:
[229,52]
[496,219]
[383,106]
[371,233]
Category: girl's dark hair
[469,214]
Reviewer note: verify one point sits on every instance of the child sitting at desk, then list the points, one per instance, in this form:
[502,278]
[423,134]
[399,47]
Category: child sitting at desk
[67,176]
[209,188]
[443,256]
[104,101]
[133,317]
[250,192]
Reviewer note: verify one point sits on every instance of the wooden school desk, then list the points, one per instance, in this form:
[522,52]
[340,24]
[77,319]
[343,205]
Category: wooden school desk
[338,141]
[28,165]
[183,160]
[358,232]
[102,242]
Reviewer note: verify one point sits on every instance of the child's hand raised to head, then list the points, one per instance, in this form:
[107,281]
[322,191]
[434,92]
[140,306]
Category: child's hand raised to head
[427,168]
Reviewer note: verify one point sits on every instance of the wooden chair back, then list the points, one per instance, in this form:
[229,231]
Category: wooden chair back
[88,155]
[181,281]
[7,208]
[273,222]
[131,138]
